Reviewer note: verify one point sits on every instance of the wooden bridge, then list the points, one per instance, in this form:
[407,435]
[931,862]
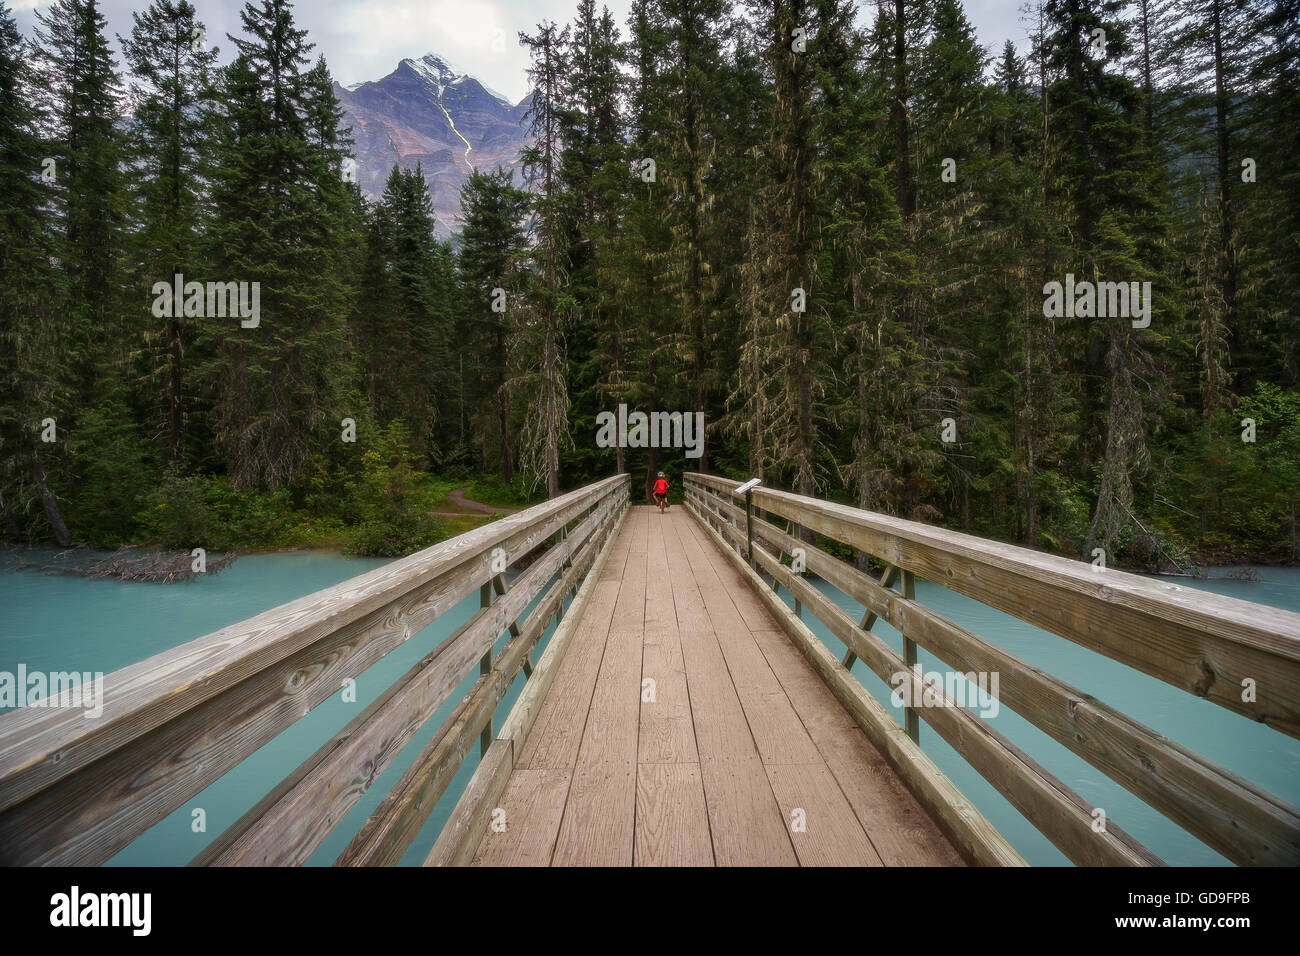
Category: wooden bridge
[681,713]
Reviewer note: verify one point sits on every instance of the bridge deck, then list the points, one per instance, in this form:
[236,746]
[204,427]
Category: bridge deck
[710,764]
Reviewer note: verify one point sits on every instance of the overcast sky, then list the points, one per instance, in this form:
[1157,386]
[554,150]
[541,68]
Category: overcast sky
[365,39]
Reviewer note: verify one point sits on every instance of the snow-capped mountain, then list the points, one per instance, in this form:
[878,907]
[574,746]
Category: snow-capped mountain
[431,112]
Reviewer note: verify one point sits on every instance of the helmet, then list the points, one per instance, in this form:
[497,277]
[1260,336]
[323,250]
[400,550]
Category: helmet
[661,474]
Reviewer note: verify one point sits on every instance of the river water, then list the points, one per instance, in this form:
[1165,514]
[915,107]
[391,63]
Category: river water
[1264,756]
[60,623]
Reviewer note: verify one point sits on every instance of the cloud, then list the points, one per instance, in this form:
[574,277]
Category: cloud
[365,39]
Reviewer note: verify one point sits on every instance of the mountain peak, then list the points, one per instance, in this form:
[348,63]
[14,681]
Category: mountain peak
[441,72]
[433,113]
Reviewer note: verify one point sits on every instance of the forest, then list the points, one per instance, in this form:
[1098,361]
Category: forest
[1047,294]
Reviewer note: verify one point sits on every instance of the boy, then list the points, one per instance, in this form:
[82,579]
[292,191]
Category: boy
[661,492]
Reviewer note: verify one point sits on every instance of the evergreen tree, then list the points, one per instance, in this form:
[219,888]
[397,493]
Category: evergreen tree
[33,379]
[491,253]
[169,93]
[279,383]
[539,363]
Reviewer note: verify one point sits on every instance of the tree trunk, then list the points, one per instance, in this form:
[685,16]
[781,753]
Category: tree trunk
[174,395]
[1227,245]
[15,533]
[50,503]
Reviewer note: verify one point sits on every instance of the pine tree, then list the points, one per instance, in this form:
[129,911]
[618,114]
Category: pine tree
[33,380]
[171,66]
[279,384]
[539,363]
[80,92]
[403,327]
[491,252]
[594,181]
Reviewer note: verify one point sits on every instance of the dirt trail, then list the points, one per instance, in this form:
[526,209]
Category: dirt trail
[472,508]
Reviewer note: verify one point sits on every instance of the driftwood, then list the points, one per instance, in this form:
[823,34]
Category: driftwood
[125,564]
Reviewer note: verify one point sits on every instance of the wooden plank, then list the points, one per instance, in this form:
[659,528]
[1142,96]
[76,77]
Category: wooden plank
[610,735]
[460,836]
[519,722]
[744,818]
[234,690]
[396,822]
[659,609]
[723,616]
[687,600]
[1203,643]
[533,802]
[40,746]
[667,732]
[964,825]
[822,825]
[1061,815]
[557,735]
[598,825]
[1245,823]
[288,824]
[471,818]
[599,818]
[778,732]
[750,609]
[672,820]
[900,831]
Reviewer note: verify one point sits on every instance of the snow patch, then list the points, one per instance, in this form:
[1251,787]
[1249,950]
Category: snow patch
[442,73]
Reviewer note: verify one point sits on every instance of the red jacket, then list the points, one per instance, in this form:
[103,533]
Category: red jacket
[661,486]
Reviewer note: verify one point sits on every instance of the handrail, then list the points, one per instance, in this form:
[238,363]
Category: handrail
[75,790]
[1240,820]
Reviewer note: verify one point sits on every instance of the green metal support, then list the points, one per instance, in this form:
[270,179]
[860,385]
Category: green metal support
[749,525]
[913,721]
[868,618]
[485,667]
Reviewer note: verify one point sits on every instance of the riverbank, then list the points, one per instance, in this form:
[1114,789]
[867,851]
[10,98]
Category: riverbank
[387,511]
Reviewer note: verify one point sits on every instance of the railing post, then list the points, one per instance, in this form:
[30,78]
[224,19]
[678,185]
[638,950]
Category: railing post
[749,525]
[747,489]
[485,667]
[912,720]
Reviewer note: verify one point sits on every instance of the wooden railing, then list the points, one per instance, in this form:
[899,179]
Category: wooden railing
[75,790]
[1243,657]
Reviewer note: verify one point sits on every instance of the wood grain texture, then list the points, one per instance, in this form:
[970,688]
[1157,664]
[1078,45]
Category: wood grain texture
[533,802]
[457,842]
[823,827]
[681,780]
[1203,643]
[286,826]
[41,746]
[672,821]
[399,817]
[962,823]
[898,828]
[75,791]
[459,838]
[1245,823]
[1059,813]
